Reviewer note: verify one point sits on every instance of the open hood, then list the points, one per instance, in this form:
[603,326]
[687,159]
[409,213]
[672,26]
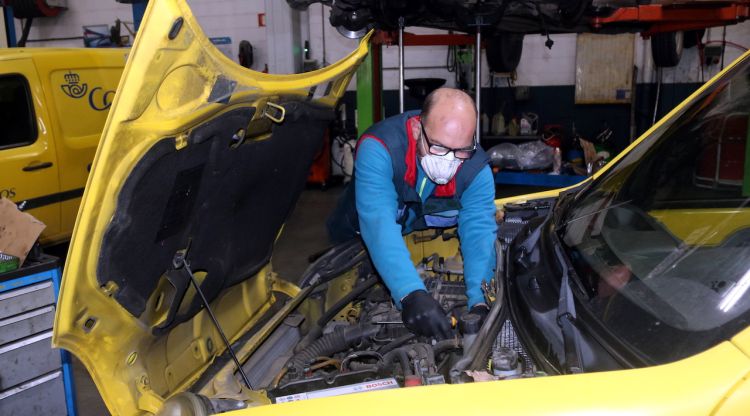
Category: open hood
[201,160]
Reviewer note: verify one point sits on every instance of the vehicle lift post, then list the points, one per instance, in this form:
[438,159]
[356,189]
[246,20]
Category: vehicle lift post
[478,81]
[369,91]
[477,72]
[400,65]
[369,74]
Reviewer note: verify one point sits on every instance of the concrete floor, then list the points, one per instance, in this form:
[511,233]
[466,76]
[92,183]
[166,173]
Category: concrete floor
[304,234]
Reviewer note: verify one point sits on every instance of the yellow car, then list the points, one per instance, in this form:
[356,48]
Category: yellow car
[624,295]
[54,105]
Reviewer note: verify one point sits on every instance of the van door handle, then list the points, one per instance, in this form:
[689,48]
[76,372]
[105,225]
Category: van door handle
[38,166]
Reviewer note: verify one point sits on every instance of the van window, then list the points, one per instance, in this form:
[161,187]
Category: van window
[16,112]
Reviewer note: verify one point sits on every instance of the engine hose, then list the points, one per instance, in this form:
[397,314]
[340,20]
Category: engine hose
[399,354]
[317,329]
[403,358]
[334,262]
[475,354]
[396,343]
[360,354]
[339,340]
[447,345]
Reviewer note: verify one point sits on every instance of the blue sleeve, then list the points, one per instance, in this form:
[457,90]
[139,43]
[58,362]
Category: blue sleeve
[477,231]
[377,208]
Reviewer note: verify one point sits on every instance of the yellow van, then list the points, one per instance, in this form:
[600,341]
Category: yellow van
[53,105]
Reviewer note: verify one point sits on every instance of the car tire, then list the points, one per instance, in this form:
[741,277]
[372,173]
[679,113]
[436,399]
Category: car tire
[246,54]
[666,49]
[692,38]
[571,12]
[25,9]
[301,5]
[504,51]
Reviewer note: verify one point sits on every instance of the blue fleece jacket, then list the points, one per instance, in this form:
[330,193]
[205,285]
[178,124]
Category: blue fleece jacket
[377,207]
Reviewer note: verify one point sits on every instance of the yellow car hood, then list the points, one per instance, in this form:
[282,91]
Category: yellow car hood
[200,159]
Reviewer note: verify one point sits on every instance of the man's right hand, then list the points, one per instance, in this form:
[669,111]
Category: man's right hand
[423,315]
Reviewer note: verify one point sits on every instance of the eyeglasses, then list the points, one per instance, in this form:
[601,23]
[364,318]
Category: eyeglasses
[462,153]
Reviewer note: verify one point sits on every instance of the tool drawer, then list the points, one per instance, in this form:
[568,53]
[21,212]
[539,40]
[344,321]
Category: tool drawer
[25,324]
[26,298]
[35,379]
[44,395]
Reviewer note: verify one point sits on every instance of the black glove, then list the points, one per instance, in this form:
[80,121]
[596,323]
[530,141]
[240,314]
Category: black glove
[482,310]
[423,315]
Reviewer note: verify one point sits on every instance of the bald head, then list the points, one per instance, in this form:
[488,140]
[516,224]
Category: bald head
[449,117]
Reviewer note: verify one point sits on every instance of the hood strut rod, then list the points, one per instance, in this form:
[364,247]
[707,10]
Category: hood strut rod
[180,261]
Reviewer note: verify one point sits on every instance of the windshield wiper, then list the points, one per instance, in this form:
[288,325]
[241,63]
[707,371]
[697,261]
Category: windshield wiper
[566,317]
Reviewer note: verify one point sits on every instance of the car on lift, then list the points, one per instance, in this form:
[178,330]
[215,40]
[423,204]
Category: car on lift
[627,293]
[671,24]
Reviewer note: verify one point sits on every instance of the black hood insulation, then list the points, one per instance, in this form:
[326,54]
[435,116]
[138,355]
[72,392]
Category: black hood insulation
[225,203]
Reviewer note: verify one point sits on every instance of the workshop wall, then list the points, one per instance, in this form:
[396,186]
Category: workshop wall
[554,104]
[549,75]
[236,19]
[66,29]
[539,66]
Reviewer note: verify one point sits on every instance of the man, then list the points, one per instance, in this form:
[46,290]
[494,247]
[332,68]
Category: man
[416,171]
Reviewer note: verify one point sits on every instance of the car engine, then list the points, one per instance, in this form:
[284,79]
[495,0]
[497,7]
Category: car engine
[359,342]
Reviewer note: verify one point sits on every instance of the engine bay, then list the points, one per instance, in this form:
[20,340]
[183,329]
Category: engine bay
[348,337]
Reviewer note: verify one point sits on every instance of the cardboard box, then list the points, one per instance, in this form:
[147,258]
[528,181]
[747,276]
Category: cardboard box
[18,230]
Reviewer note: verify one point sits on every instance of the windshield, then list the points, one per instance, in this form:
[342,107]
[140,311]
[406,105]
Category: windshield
[662,240]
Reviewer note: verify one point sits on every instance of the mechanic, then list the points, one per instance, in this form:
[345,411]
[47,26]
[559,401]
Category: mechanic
[416,171]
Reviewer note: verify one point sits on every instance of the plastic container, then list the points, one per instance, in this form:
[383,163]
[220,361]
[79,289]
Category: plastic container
[498,124]
[8,263]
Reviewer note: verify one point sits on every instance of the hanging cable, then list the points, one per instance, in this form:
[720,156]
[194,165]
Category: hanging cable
[450,59]
[702,59]
[323,30]
[543,25]
[25,34]
[401,23]
[658,93]
[727,43]
[723,45]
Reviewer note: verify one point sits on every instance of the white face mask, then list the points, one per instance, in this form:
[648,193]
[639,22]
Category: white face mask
[440,169]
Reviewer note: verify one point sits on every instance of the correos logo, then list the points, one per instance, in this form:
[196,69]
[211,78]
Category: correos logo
[72,87]
[99,98]
[8,193]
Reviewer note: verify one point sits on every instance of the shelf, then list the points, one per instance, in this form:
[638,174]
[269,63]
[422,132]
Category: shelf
[510,138]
